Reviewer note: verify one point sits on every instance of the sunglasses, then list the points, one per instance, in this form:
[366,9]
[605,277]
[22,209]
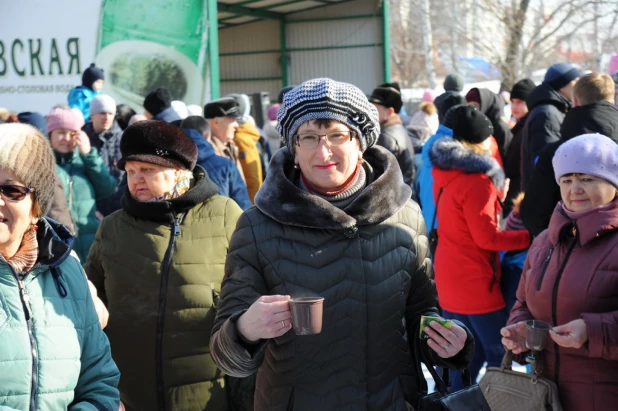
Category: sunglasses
[14,192]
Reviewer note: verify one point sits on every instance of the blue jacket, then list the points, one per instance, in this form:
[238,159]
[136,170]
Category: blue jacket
[59,359]
[425,179]
[80,97]
[168,115]
[222,171]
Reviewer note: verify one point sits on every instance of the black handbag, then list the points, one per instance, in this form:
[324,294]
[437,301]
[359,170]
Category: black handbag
[433,232]
[469,399]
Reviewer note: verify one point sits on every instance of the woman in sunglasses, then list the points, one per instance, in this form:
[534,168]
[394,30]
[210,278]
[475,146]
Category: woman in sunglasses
[83,172]
[53,353]
[333,219]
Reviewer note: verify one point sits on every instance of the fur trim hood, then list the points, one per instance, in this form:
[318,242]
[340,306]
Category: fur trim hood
[450,154]
[282,200]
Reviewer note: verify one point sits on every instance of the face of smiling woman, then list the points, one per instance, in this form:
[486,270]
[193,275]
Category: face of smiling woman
[327,167]
[16,217]
[583,192]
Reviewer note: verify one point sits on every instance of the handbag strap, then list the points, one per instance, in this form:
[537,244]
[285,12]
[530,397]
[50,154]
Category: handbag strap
[443,383]
[507,364]
[435,213]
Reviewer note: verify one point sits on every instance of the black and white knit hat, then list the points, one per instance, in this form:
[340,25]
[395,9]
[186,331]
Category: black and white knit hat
[324,98]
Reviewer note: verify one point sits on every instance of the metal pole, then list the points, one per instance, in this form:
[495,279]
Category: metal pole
[213,49]
[386,40]
[284,53]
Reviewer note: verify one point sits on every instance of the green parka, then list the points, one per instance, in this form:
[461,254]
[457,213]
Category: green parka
[53,353]
[369,261]
[158,266]
[86,179]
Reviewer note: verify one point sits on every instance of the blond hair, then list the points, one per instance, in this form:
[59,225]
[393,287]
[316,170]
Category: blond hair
[594,87]
[428,107]
[477,148]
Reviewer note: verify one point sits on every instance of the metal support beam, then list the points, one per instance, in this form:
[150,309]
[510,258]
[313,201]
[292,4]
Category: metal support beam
[247,11]
[386,40]
[213,50]
[284,53]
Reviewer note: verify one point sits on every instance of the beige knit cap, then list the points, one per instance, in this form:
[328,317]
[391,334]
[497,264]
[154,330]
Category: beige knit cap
[26,154]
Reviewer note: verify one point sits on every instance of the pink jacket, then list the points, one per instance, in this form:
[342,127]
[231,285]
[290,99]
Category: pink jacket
[572,272]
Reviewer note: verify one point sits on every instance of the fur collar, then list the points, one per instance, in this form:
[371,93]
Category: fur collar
[450,154]
[281,199]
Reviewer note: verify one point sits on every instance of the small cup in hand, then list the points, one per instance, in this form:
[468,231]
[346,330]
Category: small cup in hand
[307,315]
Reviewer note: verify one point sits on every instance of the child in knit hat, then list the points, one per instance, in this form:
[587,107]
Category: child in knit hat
[92,85]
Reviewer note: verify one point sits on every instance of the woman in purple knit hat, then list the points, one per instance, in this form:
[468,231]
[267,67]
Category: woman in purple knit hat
[570,279]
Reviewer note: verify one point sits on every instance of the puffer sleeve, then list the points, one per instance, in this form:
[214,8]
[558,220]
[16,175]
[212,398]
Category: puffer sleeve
[242,285]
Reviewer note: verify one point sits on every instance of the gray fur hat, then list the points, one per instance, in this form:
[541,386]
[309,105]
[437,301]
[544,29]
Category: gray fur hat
[324,98]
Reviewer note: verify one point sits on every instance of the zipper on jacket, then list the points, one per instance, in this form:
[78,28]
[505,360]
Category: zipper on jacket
[494,278]
[161,317]
[25,300]
[547,260]
[554,299]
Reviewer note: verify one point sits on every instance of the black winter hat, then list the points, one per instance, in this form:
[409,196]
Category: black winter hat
[283,92]
[522,89]
[470,125]
[451,101]
[158,100]
[387,95]
[92,74]
[157,142]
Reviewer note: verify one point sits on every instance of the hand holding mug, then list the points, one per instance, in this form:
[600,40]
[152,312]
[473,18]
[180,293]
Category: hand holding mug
[268,317]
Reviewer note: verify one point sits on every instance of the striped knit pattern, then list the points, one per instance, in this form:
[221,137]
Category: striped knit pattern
[324,98]
[514,222]
[26,154]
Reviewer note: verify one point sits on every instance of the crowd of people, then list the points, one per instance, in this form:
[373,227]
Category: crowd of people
[147,260]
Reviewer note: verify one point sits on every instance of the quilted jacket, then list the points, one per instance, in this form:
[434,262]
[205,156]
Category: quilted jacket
[572,272]
[158,267]
[72,367]
[371,264]
[85,178]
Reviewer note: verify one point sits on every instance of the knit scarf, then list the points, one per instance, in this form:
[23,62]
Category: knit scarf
[344,196]
[27,254]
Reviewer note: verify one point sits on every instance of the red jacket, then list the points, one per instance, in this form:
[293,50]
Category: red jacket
[587,288]
[466,264]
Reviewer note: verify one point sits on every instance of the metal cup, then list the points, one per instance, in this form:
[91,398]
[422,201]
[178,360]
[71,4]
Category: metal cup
[307,315]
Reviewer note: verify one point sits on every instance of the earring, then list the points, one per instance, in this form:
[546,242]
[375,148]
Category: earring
[296,166]
[35,227]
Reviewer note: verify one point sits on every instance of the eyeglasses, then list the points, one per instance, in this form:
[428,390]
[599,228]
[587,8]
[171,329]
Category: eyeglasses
[14,192]
[334,138]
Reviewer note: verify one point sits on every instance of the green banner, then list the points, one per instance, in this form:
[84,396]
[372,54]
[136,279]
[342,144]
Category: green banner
[145,44]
